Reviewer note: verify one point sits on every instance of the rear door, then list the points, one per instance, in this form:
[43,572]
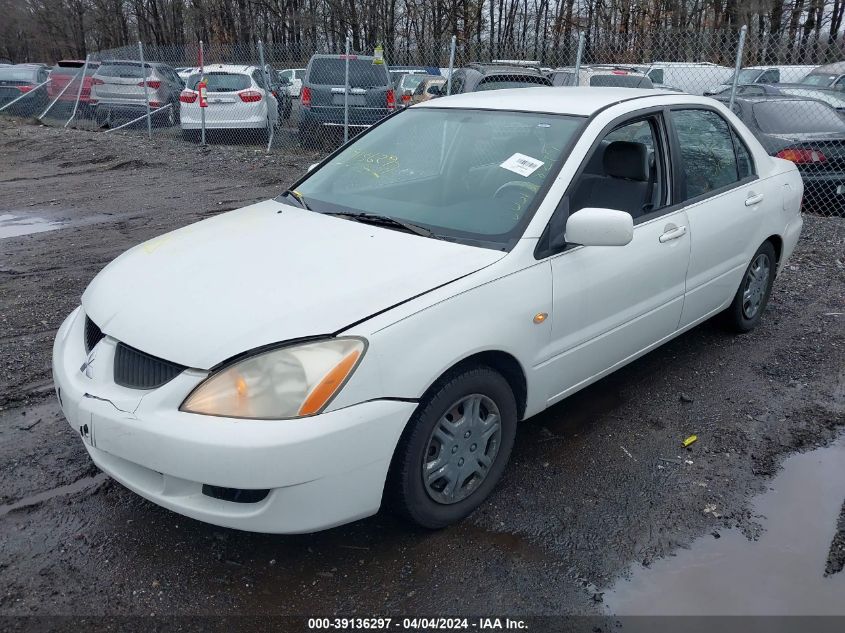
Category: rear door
[724,201]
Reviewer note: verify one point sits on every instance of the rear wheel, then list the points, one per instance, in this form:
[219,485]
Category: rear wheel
[751,298]
[454,449]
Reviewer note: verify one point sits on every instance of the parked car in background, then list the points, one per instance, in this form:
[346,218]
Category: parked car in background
[807,132]
[377,333]
[294,76]
[397,73]
[690,77]
[69,71]
[118,93]
[431,87]
[827,76]
[601,76]
[280,88]
[763,75]
[371,96]
[238,99]
[476,77]
[833,98]
[23,79]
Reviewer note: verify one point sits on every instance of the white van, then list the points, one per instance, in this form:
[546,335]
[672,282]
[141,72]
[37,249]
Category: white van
[765,75]
[691,77]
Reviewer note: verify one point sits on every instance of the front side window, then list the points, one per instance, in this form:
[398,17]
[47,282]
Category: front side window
[624,172]
[707,154]
[467,175]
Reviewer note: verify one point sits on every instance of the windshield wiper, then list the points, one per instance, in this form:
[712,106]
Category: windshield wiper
[386,221]
[298,197]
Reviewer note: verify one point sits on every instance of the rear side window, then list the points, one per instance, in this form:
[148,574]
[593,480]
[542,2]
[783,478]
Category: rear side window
[771,76]
[787,117]
[707,151]
[221,82]
[563,79]
[505,81]
[124,70]
[328,71]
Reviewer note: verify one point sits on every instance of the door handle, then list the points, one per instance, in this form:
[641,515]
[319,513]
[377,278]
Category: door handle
[673,233]
[753,199]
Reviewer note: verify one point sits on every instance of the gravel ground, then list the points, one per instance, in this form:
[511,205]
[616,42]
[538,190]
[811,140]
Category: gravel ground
[595,483]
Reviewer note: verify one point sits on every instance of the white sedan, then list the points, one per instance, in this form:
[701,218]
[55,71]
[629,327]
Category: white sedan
[376,333]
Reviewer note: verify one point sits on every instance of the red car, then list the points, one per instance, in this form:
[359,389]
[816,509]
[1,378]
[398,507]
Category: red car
[66,72]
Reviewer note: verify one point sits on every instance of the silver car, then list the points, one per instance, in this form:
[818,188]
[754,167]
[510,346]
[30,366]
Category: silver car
[118,92]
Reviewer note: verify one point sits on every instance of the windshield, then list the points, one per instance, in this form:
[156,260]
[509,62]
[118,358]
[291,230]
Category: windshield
[746,76]
[363,73]
[499,82]
[221,82]
[818,80]
[410,82]
[124,70]
[797,117]
[467,175]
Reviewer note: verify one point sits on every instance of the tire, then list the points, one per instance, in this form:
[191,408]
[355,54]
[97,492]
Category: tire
[443,413]
[753,293]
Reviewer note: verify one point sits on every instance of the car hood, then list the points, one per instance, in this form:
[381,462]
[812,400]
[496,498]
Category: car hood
[263,274]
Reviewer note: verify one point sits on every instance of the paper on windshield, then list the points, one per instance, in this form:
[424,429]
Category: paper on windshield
[522,164]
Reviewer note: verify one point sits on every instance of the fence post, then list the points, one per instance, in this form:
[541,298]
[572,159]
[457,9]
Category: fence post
[78,92]
[451,65]
[146,90]
[202,78]
[738,65]
[578,57]
[346,95]
[266,76]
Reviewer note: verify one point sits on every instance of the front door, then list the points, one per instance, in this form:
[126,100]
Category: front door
[612,303]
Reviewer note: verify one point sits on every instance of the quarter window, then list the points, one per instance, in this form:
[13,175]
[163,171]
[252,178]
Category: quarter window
[707,156]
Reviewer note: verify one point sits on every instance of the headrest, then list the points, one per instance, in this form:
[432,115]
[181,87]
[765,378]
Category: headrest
[624,159]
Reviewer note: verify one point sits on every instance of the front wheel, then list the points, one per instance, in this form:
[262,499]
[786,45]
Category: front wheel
[751,298]
[454,449]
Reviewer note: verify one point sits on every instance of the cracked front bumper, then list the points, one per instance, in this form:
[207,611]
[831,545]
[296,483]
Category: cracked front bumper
[320,471]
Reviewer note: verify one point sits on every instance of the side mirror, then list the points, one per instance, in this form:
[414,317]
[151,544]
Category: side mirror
[600,227]
[312,166]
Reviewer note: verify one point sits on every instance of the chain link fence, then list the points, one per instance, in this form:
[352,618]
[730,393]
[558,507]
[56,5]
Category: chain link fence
[285,99]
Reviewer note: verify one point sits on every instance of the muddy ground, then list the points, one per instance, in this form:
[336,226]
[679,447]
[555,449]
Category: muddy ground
[596,484]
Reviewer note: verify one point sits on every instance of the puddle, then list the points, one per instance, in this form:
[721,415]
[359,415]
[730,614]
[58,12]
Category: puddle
[781,573]
[15,225]
[77,486]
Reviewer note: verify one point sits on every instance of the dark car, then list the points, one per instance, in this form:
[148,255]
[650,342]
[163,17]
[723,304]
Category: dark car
[807,132]
[474,77]
[280,87]
[19,80]
[833,98]
[371,96]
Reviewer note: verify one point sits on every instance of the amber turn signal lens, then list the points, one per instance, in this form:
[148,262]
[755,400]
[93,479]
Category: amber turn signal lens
[330,383]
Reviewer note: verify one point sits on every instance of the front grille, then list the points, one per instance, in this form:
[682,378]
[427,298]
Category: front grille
[137,370]
[93,334]
[235,495]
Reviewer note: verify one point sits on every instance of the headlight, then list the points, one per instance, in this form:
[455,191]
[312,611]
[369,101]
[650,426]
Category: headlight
[289,382]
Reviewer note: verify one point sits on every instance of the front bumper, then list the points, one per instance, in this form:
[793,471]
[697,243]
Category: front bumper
[321,471]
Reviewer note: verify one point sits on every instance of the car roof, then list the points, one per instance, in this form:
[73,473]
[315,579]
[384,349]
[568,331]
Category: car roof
[502,69]
[557,100]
